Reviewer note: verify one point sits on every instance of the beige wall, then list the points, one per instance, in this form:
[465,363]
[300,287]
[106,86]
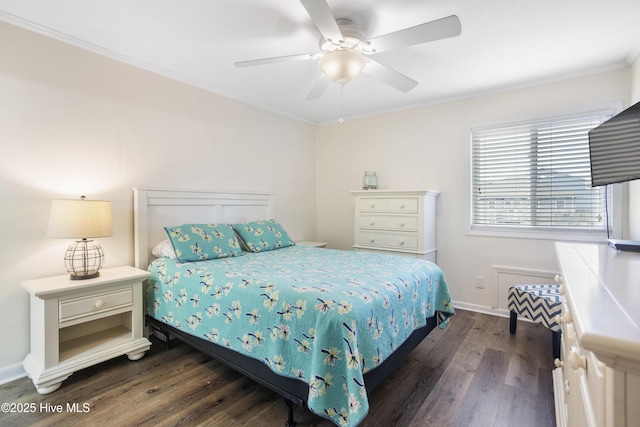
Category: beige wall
[426,148]
[635,81]
[634,186]
[72,123]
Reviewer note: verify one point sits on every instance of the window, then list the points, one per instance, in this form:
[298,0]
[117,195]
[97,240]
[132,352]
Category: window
[536,177]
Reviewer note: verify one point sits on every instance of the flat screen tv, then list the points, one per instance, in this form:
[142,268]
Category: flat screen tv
[614,148]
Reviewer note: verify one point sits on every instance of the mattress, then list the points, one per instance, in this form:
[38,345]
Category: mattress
[323,316]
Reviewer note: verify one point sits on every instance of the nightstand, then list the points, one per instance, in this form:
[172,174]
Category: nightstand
[79,323]
[312,244]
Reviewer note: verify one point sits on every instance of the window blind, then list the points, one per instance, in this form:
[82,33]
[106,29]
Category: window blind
[536,175]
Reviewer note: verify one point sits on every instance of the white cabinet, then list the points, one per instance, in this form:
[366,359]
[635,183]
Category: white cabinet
[78,323]
[597,382]
[399,222]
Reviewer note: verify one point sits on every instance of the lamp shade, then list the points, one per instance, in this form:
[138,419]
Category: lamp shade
[81,219]
[342,66]
[76,219]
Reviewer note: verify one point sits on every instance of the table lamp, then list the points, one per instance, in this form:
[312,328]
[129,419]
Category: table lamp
[81,219]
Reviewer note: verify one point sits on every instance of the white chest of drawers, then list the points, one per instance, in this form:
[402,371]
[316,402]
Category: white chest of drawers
[597,382]
[399,222]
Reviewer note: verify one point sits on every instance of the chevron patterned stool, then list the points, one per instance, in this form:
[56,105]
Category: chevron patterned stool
[540,304]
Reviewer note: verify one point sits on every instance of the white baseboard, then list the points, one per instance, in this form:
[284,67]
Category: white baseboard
[500,312]
[11,373]
[481,309]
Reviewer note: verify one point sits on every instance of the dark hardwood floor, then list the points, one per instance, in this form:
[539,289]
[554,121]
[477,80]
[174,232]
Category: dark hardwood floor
[473,373]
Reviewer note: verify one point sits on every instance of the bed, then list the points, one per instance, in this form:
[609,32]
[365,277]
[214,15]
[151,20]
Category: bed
[321,327]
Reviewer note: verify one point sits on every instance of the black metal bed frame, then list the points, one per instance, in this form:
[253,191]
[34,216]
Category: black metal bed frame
[293,391]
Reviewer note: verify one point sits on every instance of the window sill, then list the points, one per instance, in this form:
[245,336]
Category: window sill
[541,234]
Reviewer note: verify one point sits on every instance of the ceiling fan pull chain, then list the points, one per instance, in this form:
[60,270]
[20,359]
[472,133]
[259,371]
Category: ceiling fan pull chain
[341,120]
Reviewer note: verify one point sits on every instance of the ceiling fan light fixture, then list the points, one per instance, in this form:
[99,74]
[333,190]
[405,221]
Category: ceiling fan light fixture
[342,66]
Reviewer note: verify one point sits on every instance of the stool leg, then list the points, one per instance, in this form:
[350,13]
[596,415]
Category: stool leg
[556,344]
[513,317]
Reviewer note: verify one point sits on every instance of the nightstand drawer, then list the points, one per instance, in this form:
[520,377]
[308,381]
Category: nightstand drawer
[97,303]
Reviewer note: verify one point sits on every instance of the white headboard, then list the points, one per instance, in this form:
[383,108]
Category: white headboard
[154,209]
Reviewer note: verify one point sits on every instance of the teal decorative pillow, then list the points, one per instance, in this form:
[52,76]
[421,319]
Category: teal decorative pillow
[198,242]
[259,236]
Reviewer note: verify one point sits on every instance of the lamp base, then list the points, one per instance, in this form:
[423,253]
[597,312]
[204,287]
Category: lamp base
[87,276]
[83,259]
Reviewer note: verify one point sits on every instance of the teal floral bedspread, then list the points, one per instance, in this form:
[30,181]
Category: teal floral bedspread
[320,315]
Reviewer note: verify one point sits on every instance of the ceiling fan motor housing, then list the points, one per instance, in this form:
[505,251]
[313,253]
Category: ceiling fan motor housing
[353,39]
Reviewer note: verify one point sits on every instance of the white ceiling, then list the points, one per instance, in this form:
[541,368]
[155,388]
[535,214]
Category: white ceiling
[504,44]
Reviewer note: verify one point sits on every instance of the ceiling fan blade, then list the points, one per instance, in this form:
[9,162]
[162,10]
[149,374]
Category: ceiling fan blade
[321,15]
[275,59]
[427,32]
[391,77]
[318,89]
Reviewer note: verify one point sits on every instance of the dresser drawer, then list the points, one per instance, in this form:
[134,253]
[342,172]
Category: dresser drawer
[402,242]
[409,242]
[395,205]
[367,221]
[409,223]
[596,384]
[369,239]
[372,205]
[73,308]
[403,205]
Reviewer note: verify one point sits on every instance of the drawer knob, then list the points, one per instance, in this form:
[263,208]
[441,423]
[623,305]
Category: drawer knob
[372,223]
[372,240]
[402,224]
[402,243]
[372,205]
[577,361]
[558,363]
[564,318]
[401,205]
[566,386]
[99,304]
[561,290]
[558,279]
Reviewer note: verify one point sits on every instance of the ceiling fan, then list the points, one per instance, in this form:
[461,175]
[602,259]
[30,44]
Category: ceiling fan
[345,52]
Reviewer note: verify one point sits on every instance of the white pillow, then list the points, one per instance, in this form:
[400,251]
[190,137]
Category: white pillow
[164,249]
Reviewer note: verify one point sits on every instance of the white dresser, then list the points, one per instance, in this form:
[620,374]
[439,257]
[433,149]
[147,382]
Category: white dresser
[597,382]
[399,222]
